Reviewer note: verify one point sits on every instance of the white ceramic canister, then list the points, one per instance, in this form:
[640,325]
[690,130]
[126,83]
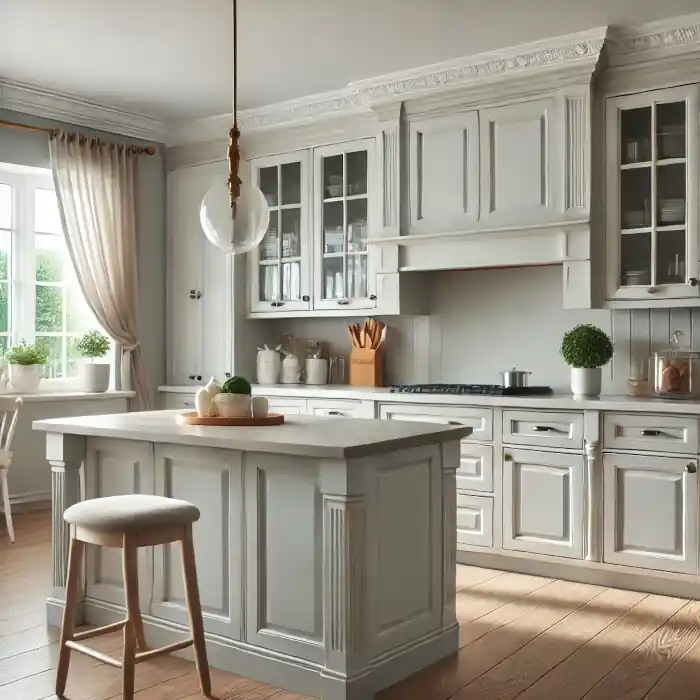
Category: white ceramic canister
[291,370]
[269,363]
[316,370]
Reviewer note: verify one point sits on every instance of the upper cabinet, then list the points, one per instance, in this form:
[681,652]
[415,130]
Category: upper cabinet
[652,223]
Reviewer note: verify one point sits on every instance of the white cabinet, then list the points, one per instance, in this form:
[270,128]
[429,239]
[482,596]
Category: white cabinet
[652,221]
[285,406]
[444,173]
[199,283]
[474,521]
[543,496]
[650,512]
[341,408]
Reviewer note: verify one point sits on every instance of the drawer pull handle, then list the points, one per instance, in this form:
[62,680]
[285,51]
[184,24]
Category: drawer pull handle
[691,468]
[453,422]
[650,433]
[334,413]
[508,457]
[543,429]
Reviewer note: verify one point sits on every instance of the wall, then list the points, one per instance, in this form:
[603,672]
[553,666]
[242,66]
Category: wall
[31,148]
[485,321]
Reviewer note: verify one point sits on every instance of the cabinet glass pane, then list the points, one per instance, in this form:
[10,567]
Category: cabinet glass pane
[333,229]
[670,203]
[635,197]
[291,228]
[635,135]
[670,257]
[670,130]
[291,183]
[333,282]
[357,225]
[5,206]
[357,173]
[269,282]
[357,276]
[269,246]
[333,177]
[291,281]
[635,253]
[268,185]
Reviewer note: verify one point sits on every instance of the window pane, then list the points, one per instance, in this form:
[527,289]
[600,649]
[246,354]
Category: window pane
[46,216]
[51,256]
[49,309]
[5,206]
[5,240]
[4,307]
[74,357]
[79,318]
[4,344]
[54,366]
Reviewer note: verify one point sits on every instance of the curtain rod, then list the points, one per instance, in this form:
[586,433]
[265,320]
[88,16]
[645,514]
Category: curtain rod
[148,150]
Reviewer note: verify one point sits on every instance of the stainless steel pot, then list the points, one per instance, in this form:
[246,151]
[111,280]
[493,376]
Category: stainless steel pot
[514,378]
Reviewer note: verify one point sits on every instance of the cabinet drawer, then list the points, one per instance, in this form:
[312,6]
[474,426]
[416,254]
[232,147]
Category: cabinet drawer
[629,431]
[475,471]
[287,407]
[474,521]
[543,429]
[177,402]
[480,419]
[343,408]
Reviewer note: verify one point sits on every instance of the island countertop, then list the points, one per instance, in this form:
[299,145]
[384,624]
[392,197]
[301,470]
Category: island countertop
[310,436]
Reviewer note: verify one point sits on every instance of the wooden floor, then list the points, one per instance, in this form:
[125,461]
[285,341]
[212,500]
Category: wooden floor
[521,637]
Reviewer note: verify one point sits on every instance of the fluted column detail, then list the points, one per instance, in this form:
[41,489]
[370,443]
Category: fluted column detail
[592,503]
[65,491]
[449,558]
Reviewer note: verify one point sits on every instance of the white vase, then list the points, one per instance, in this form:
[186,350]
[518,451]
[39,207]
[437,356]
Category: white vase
[25,379]
[586,382]
[93,377]
[233,405]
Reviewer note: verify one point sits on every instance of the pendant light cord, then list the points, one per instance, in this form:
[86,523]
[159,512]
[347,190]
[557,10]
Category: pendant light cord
[235,59]
[234,155]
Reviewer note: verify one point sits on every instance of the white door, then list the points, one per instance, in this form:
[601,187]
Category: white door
[444,165]
[280,267]
[345,269]
[652,216]
[543,502]
[650,514]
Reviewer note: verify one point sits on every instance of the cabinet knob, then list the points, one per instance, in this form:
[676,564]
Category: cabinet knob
[693,281]
[277,304]
[306,297]
[192,377]
[228,375]
[691,468]
[373,297]
[343,302]
[199,377]
[508,457]
[193,294]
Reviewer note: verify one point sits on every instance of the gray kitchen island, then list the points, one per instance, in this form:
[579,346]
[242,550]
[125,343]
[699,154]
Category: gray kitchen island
[325,550]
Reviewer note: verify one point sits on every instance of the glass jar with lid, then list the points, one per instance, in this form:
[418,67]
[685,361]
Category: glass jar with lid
[676,371]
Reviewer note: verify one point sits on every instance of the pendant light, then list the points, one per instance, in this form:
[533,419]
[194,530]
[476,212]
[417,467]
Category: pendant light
[234,215]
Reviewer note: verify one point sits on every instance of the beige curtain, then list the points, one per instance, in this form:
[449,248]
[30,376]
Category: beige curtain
[95,184]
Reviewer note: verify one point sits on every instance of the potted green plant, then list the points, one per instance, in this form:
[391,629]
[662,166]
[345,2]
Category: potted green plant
[25,362]
[234,399]
[93,376]
[586,349]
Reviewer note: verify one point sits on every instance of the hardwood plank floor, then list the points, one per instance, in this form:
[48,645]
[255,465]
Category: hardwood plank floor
[521,637]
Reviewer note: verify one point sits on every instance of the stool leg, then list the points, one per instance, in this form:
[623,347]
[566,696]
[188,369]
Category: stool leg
[75,558]
[194,610]
[131,590]
[128,661]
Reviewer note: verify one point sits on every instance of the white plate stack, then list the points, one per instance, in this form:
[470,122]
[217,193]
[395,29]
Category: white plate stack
[672,211]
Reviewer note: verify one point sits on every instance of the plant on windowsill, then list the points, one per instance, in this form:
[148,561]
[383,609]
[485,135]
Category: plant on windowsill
[25,363]
[93,377]
[586,349]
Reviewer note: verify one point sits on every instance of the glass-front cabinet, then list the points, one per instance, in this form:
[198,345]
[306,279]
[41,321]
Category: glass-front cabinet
[343,275]
[280,266]
[653,157]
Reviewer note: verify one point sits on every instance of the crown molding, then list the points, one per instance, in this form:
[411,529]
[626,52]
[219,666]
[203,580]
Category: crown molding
[39,102]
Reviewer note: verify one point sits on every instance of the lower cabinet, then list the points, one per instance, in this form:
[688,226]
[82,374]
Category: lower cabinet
[543,496]
[287,407]
[341,408]
[650,514]
[474,521]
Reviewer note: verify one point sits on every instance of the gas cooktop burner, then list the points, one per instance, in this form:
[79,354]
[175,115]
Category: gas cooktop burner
[483,389]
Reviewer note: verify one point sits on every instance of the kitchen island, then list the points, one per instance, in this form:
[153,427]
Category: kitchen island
[325,550]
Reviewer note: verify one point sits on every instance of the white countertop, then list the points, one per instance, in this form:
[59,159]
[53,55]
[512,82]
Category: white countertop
[552,402]
[309,436]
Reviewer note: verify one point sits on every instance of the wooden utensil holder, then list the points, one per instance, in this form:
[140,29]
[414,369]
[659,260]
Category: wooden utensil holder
[366,367]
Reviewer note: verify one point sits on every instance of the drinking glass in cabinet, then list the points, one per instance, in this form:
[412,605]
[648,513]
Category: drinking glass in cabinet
[670,130]
[268,185]
[269,246]
[670,257]
[635,259]
[356,173]
[333,177]
[291,281]
[670,202]
[635,131]
[269,283]
[333,228]
[290,175]
[357,276]
[357,225]
[635,198]
[333,279]
[291,227]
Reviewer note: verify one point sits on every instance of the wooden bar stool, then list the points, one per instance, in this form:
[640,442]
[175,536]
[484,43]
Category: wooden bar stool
[130,522]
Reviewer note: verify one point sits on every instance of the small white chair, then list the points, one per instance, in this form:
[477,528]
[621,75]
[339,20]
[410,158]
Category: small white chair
[9,409]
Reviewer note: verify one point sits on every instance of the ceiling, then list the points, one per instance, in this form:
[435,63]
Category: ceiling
[172,59]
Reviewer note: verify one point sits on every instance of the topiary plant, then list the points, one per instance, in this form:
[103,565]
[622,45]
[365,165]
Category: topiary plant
[237,385]
[586,346]
[24,354]
[93,344]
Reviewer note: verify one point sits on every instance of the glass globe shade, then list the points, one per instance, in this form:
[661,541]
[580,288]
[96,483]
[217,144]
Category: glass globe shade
[239,235]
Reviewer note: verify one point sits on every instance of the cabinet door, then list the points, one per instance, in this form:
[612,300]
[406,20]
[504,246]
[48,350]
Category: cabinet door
[543,502]
[650,513]
[340,408]
[280,267]
[474,521]
[652,157]
[444,166]
[287,407]
[344,267]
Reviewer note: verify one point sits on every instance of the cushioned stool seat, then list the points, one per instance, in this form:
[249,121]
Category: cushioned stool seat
[133,512]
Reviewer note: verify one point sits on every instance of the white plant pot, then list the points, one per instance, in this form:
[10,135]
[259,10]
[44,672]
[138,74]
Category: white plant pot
[25,379]
[586,382]
[93,377]
[233,405]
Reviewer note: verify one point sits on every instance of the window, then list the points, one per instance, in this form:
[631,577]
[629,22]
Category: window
[40,300]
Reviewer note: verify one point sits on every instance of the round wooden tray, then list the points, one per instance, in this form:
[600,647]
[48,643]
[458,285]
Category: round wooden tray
[191,418]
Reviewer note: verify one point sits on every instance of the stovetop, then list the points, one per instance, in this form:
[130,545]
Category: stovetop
[482,389]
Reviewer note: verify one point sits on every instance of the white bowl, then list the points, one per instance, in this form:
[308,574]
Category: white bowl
[233,405]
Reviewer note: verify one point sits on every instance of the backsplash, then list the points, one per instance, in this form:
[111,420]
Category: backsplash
[485,321]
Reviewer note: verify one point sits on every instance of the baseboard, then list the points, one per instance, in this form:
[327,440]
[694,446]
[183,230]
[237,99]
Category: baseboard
[31,500]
